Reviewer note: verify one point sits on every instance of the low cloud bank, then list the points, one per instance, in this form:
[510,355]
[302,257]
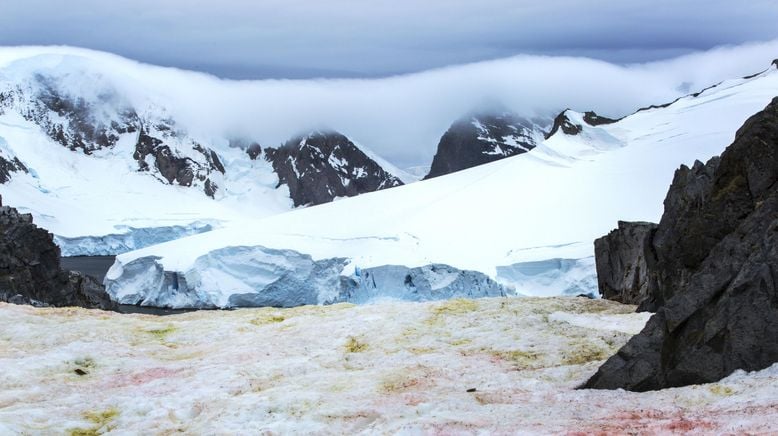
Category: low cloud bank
[401,117]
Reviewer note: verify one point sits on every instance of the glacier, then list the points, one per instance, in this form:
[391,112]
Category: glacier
[258,276]
[524,225]
[127,239]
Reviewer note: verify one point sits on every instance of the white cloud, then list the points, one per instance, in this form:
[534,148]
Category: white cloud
[402,117]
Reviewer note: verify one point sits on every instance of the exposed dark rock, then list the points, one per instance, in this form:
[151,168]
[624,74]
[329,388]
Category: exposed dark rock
[173,167]
[562,121]
[479,139]
[210,188]
[30,271]
[568,127]
[622,273]
[88,125]
[716,271]
[254,150]
[10,166]
[321,166]
[81,129]
[591,118]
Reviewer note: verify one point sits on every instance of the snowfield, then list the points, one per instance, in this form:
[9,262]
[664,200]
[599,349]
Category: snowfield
[528,222]
[496,365]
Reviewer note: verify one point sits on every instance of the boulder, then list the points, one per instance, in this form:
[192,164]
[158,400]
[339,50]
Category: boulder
[620,259]
[30,271]
[715,281]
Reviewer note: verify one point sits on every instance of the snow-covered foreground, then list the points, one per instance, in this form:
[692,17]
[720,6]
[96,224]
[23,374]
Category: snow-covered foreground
[501,365]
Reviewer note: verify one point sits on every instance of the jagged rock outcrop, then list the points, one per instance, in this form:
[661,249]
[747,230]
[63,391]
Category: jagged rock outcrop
[620,258]
[30,271]
[8,166]
[171,165]
[569,127]
[483,138]
[322,166]
[715,274]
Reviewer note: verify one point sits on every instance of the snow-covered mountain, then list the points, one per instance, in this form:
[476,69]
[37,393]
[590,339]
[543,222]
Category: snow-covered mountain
[107,164]
[322,166]
[482,138]
[523,224]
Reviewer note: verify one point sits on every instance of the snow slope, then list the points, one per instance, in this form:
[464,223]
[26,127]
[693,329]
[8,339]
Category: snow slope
[491,366]
[111,161]
[527,221]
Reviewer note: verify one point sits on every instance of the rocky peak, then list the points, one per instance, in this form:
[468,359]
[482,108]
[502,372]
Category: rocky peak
[321,166]
[564,121]
[482,138]
[591,118]
[711,277]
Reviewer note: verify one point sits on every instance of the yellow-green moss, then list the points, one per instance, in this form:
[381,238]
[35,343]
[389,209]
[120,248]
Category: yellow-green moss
[354,346]
[723,391]
[101,422]
[421,350]
[581,355]
[521,359]
[460,342]
[267,319]
[162,333]
[398,382]
[86,362]
[455,306]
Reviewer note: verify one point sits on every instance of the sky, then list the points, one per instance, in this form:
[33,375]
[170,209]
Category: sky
[301,39]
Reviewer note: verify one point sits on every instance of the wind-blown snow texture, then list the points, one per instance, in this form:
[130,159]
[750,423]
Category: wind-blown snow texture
[527,221]
[496,366]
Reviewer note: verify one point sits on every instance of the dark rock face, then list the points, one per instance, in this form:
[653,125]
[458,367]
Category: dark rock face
[480,139]
[254,150]
[321,166]
[173,167]
[716,271]
[622,272]
[30,272]
[562,122]
[568,127]
[8,166]
[90,125]
[591,118]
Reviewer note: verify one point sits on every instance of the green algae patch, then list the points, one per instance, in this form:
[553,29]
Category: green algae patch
[721,390]
[421,350]
[398,383]
[266,319]
[161,333]
[460,342]
[84,366]
[582,355]
[456,306]
[518,358]
[353,345]
[101,423]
